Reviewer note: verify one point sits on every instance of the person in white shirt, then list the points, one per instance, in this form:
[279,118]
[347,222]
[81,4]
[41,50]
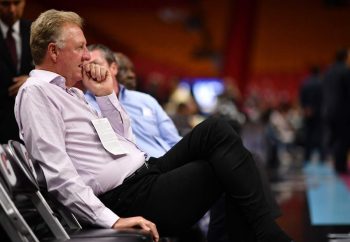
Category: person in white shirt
[92,165]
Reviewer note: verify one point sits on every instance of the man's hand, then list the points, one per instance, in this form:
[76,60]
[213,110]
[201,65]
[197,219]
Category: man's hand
[18,82]
[97,79]
[131,222]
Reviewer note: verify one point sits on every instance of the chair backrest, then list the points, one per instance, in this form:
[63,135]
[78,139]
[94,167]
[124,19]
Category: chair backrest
[22,155]
[20,151]
[21,182]
[10,218]
[18,180]
[6,171]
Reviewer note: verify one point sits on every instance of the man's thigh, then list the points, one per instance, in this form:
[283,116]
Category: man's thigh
[180,197]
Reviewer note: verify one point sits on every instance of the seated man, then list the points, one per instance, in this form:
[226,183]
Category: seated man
[94,168]
[154,131]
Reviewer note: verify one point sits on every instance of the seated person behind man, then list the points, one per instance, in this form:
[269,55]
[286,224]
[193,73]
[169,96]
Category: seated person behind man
[154,131]
[126,71]
[94,168]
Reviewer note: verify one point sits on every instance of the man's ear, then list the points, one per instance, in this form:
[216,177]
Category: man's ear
[113,68]
[53,51]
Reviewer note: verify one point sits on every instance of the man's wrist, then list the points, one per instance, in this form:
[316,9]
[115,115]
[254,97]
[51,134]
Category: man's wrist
[114,226]
[104,93]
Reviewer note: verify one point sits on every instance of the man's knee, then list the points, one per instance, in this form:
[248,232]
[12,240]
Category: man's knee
[222,126]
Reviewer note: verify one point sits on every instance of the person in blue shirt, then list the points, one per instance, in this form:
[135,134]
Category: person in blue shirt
[154,131]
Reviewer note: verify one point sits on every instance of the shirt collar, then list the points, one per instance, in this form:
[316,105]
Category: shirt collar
[50,77]
[4,28]
[121,91]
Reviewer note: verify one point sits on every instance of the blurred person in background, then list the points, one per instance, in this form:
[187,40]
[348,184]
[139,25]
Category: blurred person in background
[311,103]
[280,140]
[336,112]
[15,62]
[227,106]
[126,71]
[182,118]
[154,131]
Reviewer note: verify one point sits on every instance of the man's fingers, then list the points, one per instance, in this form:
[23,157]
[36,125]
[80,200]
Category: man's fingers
[138,222]
[154,232]
[96,72]
[149,226]
[86,67]
[93,71]
[97,79]
[103,73]
[99,71]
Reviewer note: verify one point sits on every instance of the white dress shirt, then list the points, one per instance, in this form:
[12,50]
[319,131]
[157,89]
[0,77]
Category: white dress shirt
[55,124]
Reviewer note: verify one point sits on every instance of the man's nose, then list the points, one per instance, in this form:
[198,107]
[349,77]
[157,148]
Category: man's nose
[86,54]
[13,6]
[131,74]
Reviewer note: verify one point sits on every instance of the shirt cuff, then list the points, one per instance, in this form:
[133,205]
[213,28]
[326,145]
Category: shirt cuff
[107,218]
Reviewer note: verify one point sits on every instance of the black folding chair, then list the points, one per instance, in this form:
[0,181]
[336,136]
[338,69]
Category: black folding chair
[18,230]
[20,180]
[21,154]
[11,220]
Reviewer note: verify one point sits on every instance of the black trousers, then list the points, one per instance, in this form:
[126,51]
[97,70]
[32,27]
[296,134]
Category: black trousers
[218,229]
[184,183]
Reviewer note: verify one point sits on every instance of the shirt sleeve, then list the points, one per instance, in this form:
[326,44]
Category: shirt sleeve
[43,131]
[112,110]
[167,129]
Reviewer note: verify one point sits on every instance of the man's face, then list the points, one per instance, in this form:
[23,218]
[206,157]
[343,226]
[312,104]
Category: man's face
[73,55]
[11,10]
[126,73]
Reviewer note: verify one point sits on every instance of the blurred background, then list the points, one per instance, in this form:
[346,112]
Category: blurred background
[245,60]
[264,47]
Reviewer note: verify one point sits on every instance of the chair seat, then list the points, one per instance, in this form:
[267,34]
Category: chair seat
[140,235]
[102,239]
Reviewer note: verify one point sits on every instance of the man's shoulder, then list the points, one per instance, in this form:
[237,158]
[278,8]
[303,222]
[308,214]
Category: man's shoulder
[32,84]
[139,95]
[35,82]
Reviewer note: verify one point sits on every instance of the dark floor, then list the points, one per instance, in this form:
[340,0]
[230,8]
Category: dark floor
[291,190]
[296,217]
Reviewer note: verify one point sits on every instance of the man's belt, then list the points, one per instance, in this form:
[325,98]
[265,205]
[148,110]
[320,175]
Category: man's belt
[141,170]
